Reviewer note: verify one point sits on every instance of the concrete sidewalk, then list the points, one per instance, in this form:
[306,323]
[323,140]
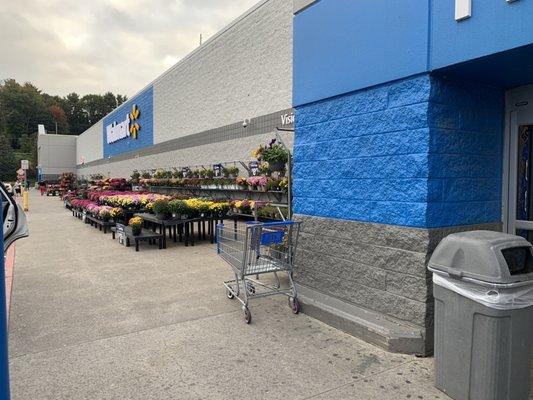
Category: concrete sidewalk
[93,320]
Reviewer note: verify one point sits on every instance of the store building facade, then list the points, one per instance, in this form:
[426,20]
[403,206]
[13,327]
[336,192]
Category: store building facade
[413,120]
[214,106]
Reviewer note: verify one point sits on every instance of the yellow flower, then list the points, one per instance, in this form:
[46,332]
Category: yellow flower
[135,221]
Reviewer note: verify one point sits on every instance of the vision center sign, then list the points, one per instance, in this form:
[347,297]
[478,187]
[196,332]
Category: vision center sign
[129,127]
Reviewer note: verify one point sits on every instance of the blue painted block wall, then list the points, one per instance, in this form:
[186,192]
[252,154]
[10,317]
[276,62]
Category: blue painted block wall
[422,152]
[465,157]
[145,103]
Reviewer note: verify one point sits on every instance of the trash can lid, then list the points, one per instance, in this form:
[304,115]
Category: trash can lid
[487,256]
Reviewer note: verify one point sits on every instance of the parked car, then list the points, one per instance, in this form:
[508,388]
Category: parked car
[13,217]
[9,187]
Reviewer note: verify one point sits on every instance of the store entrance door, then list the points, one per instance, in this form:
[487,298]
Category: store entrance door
[518,172]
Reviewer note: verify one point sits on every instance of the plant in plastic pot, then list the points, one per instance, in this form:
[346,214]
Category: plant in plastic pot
[220,209]
[179,209]
[161,208]
[204,209]
[105,213]
[241,182]
[276,156]
[135,224]
[116,213]
[258,183]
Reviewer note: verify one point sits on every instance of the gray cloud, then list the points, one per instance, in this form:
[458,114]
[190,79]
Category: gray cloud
[99,45]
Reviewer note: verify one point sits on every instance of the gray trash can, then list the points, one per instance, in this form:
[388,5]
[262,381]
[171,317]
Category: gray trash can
[483,289]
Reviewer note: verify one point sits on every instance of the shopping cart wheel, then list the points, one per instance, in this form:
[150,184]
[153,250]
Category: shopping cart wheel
[247,315]
[294,304]
[229,294]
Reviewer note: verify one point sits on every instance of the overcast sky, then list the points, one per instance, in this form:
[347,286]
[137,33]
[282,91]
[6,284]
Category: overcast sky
[94,46]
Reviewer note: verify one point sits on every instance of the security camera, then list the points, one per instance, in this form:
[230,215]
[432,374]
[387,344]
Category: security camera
[245,123]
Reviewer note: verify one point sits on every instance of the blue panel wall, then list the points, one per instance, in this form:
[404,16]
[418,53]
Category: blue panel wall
[422,152]
[344,45]
[145,103]
[495,26]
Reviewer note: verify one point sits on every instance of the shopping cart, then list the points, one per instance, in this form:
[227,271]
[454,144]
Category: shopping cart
[256,249]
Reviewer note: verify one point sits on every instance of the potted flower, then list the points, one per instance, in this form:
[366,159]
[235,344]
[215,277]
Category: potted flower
[243,206]
[219,209]
[258,153]
[276,156]
[203,209]
[258,182]
[135,176]
[161,208]
[241,182]
[179,209]
[284,185]
[115,213]
[230,172]
[104,213]
[135,224]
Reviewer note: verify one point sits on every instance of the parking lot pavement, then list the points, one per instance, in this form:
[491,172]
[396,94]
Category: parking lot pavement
[93,320]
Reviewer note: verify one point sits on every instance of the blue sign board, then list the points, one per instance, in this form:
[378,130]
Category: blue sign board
[131,126]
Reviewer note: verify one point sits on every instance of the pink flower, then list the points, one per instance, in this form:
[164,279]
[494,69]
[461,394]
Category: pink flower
[257,180]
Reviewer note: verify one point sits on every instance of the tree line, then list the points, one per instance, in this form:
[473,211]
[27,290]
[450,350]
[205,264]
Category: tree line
[24,106]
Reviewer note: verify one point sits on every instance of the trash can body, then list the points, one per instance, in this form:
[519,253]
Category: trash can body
[481,353]
[483,290]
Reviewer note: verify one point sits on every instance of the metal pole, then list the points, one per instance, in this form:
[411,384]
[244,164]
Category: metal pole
[4,361]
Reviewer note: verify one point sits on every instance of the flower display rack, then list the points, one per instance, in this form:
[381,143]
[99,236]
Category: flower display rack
[278,199]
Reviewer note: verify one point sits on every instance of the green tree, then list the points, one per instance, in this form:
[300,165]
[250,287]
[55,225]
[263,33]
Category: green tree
[77,119]
[22,108]
[8,162]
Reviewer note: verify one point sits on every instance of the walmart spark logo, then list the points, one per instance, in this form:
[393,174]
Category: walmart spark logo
[128,128]
[134,126]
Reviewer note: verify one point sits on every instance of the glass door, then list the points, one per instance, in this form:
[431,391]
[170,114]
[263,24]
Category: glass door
[519,177]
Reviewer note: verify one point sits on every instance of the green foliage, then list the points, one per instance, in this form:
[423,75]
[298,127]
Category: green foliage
[8,162]
[160,206]
[23,107]
[275,154]
[135,176]
[178,207]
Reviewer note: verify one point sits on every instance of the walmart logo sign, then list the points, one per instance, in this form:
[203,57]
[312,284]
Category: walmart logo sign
[128,128]
[131,126]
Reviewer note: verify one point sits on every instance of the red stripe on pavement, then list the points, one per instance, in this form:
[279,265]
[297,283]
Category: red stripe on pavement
[8,267]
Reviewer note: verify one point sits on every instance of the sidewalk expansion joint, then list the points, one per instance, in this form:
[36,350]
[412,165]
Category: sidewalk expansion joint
[14,357]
